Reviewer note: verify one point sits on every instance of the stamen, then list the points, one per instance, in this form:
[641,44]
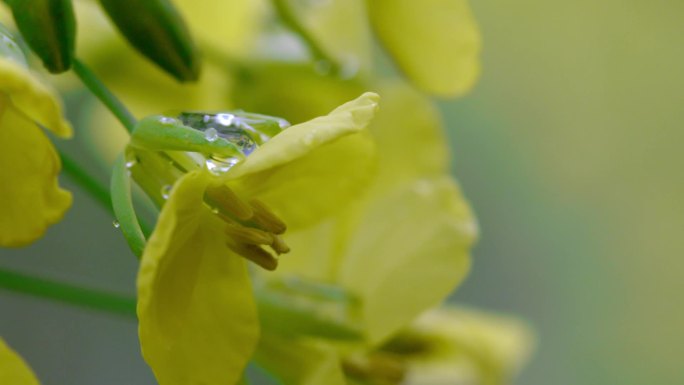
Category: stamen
[255,254]
[249,235]
[224,198]
[265,219]
[279,246]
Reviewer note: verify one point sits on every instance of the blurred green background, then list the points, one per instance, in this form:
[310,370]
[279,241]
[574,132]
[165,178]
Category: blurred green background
[569,150]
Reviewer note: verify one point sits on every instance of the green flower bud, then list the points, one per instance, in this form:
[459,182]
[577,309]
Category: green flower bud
[156,30]
[49,28]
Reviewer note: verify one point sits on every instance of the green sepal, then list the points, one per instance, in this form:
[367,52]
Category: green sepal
[49,28]
[306,308]
[122,203]
[160,133]
[157,30]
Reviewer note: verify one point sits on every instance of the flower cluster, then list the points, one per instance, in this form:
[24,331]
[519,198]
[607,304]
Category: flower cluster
[321,251]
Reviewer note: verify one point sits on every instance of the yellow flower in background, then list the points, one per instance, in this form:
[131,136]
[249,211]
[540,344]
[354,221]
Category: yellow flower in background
[449,345]
[435,43]
[198,319]
[30,198]
[13,369]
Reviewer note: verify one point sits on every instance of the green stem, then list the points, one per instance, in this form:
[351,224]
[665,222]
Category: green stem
[73,295]
[96,189]
[106,97]
[292,22]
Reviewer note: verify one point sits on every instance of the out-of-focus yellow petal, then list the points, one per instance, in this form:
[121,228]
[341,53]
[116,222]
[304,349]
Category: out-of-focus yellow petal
[436,43]
[228,26]
[409,135]
[470,346]
[341,28]
[198,320]
[409,250]
[30,197]
[299,362]
[312,169]
[36,101]
[13,369]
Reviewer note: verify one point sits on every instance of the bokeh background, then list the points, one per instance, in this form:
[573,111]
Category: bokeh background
[569,150]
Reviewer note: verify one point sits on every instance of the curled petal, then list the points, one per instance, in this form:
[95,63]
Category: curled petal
[32,98]
[30,197]
[198,319]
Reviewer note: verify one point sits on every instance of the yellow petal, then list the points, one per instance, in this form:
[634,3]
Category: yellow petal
[198,320]
[228,26]
[436,43]
[340,27]
[472,346]
[408,252]
[36,101]
[409,136]
[313,169]
[299,362]
[30,197]
[301,139]
[13,369]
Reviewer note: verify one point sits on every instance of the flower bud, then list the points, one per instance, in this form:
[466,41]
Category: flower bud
[49,28]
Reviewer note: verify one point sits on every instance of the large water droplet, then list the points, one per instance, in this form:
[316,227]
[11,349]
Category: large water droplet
[221,125]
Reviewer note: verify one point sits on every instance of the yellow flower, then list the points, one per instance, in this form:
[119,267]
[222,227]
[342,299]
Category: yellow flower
[30,198]
[401,248]
[13,369]
[198,319]
[457,345]
[435,43]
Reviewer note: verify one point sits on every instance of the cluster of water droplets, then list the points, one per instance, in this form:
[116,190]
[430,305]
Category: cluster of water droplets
[246,131]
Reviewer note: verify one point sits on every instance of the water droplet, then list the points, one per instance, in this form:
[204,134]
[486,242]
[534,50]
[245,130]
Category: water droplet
[167,120]
[166,191]
[211,134]
[283,124]
[130,164]
[220,166]
[323,67]
[214,210]
[116,224]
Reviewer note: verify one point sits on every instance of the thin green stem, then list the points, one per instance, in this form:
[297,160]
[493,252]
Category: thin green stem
[106,97]
[292,22]
[70,294]
[93,187]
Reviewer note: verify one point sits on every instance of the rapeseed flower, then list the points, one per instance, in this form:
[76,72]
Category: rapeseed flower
[13,369]
[30,197]
[198,319]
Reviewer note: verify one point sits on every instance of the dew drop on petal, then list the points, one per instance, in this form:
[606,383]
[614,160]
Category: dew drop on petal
[220,166]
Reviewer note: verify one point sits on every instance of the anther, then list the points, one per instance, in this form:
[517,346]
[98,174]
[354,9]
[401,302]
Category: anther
[265,219]
[255,254]
[279,246]
[226,200]
[249,235]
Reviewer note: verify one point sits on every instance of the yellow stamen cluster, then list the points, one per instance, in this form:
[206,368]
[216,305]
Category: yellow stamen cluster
[248,226]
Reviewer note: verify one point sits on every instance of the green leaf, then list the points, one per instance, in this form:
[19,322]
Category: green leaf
[49,28]
[156,30]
